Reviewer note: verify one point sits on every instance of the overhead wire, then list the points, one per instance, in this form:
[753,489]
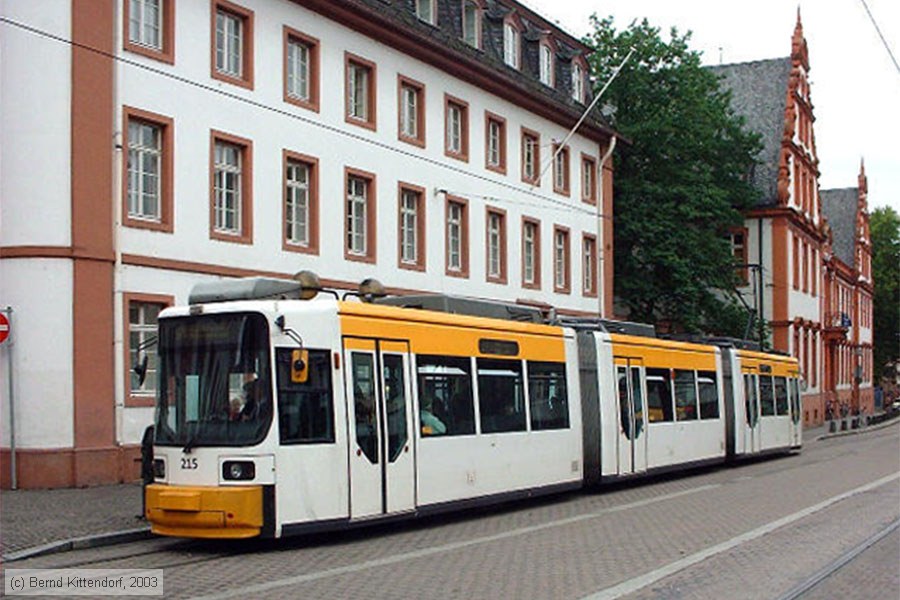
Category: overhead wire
[881,35]
[557,204]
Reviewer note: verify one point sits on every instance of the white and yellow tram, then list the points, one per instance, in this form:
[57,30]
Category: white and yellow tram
[283,416]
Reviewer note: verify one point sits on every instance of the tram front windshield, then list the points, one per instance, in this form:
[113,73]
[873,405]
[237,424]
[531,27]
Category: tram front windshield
[214,381]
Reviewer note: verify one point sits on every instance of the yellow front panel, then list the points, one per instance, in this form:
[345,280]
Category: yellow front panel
[213,512]
[656,353]
[453,335]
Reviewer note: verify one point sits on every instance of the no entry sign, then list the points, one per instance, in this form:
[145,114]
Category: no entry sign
[4,328]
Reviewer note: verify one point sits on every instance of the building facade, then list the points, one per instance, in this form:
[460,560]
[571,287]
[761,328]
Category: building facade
[849,370]
[783,235]
[792,277]
[166,144]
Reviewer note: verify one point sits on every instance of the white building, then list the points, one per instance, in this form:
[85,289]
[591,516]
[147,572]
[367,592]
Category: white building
[148,145]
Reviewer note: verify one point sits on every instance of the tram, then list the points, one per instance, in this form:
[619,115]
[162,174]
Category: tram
[283,409]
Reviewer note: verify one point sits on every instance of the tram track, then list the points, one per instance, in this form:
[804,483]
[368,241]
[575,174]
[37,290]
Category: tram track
[839,563]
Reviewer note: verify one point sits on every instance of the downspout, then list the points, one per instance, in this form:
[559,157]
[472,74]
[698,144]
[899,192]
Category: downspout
[761,279]
[600,240]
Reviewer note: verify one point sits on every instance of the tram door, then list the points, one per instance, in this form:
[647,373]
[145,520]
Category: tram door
[796,409]
[379,409]
[751,413]
[632,443]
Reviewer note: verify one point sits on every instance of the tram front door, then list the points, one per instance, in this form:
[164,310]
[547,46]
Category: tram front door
[632,444]
[379,409]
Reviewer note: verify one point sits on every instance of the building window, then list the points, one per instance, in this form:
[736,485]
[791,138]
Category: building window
[738,240]
[805,267]
[425,10]
[796,262]
[546,64]
[457,237]
[232,218]
[589,265]
[148,26]
[360,79]
[577,82]
[144,170]
[496,245]
[141,326]
[301,69]
[561,170]
[233,43]
[360,216]
[456,115]
[148,170]
[412,227]
[301,204]
[561,270]
[588,179]
[471,23]
[495,148]
[531,156]
[531,253]
[814,271]
[511,41]
[411,113]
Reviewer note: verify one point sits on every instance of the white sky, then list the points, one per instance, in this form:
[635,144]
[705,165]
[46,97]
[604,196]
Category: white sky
[855,87]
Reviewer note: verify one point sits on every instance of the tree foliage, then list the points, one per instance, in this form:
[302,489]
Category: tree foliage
[680,179]
[884,231]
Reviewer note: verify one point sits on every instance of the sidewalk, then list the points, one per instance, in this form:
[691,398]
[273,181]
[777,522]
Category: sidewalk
[54,520]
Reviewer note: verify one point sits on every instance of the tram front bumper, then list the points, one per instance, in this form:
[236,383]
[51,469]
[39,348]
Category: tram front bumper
[205,512]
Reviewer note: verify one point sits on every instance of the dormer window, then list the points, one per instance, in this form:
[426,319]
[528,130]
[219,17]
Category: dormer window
[511,43]
[471,22]
[578,82]
[425,10]
[546,58]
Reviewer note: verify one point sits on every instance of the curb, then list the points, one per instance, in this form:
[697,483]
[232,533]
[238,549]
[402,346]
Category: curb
[837,434]
[80,543]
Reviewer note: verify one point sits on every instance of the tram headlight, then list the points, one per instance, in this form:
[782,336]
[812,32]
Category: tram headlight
[238,470]
[159,468]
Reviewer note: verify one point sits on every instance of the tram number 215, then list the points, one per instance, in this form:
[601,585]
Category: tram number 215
[188,462]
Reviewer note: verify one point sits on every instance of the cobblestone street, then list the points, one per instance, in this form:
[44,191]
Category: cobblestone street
[754,531]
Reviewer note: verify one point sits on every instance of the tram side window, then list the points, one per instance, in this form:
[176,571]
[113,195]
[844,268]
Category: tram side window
[446,406]
[659,395]
[305,410]
[501,395]
[766,396]
[781,396]
[709,395]
[547,395]
[685,395]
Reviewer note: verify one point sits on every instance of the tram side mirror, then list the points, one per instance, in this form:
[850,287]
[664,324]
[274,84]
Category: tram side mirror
[140,369]
[299,366]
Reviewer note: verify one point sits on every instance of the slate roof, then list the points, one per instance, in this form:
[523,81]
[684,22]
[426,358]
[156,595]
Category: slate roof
[448,33]
[759,94]
[839,207]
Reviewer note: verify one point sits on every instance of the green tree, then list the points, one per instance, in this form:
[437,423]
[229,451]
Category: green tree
[884,230]
[680,179]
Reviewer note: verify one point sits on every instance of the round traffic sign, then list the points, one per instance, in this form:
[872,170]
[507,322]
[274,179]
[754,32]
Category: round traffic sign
[4,328]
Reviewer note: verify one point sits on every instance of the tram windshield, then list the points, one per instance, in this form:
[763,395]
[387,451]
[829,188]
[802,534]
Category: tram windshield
[214,381]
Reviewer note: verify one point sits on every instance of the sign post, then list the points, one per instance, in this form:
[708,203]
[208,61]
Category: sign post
[5,330]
